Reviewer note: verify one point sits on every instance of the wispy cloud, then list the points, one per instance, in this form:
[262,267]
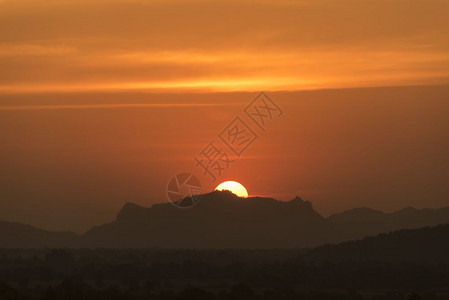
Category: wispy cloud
[68,46]
[112,106]
[13,50]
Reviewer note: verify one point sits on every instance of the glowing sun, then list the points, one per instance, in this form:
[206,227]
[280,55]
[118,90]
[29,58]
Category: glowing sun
[234,187]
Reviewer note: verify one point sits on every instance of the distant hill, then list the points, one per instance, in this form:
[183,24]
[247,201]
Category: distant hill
[14,235]
[423,245]
[223,220]
[219,220]
[360,222]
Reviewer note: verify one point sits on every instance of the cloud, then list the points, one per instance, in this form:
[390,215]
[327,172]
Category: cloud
[112,105]
[35,50]
[220,46]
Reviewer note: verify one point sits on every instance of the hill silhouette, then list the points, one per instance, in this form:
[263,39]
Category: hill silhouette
[15,235]
[359,222]
[421,246]
[223,220]
[405,264]
[219,220]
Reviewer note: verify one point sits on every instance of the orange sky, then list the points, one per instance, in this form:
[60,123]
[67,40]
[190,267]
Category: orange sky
[73,45]
[101,102]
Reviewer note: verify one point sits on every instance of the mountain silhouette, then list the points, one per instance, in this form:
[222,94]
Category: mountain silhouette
[419,246]
[219,220]
[14,235]
[359,222]
[223,220]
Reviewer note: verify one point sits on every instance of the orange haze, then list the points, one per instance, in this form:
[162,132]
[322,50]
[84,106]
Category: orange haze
[101,102]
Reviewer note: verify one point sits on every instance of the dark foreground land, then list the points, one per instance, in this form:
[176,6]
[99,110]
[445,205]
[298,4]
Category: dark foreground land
[408,264]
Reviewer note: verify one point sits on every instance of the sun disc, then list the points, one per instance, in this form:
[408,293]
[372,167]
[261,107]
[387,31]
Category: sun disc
[234,187]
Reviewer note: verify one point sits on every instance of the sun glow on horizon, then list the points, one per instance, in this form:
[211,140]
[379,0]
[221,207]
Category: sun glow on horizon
[234,187]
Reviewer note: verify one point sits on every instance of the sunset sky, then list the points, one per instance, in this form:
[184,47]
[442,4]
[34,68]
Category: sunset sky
[101,102]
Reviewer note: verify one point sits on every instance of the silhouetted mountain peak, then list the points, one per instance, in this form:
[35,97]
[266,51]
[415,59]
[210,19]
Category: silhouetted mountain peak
[220,196]
[130,211]
[16,235]
[406,211]
[223,194]
[359,214]
[299,202]
[227,201]
[222,219]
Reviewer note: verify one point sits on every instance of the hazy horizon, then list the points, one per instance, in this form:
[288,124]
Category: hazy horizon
[383,148]
[116,114]
[103,102]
